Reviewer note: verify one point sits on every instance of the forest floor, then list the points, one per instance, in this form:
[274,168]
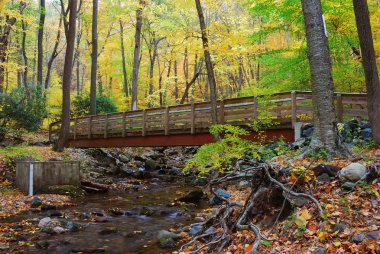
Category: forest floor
[351,221]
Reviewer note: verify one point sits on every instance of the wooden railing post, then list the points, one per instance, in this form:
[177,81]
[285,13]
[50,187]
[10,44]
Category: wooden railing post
[167,120]
[192,118]
[339,107]
[75,128]
[124,124]
[143,131]
[222,120]
[106,127]
[256,107]
[89,127]
[294,108]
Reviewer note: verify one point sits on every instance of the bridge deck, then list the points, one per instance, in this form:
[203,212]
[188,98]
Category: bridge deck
[188,124]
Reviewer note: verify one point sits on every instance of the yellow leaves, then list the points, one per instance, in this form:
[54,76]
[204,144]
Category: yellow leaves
[322,235]
[376,217]
[302,217]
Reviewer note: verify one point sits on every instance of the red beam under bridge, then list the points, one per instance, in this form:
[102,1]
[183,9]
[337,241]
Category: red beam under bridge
[171,140]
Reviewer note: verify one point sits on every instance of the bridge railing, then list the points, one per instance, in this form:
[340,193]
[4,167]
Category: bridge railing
[285,108]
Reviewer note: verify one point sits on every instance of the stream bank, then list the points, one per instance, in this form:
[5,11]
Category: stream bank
[141,200]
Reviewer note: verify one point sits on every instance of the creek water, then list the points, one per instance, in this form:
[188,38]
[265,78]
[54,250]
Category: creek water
[132,232]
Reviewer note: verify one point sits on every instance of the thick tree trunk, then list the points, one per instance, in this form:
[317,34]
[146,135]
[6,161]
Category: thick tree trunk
[325,132]
[94,57]
[40,56]
[67,74]
[78,54]
[209,65]
[369,64]
[125,83]
[136,56]
[4,40]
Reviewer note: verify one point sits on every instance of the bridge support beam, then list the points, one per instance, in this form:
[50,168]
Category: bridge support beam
[170,140]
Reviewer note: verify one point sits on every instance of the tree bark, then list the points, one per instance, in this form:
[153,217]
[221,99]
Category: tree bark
[54,54]
[4,41]
[67,74]
[363,24]
[136,56]
[40,53]
[94,57]
[209,65]
[125,83]
[325,132]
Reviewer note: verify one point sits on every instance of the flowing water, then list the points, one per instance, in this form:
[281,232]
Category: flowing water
[128,233]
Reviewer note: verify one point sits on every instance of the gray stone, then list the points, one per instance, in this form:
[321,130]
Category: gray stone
[195,230]
[222,193]
[319,251]
[374,235]
[348,186]
[45,222]
[59,230]
[352,173]
[339,227]
[73,226]
[367,134]
[125,158]
[358,238]
[210,230]
[164,234]
[151,165]
[36,202]
[324,178]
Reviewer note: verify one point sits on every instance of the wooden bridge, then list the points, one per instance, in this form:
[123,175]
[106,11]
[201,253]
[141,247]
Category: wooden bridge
[188,124]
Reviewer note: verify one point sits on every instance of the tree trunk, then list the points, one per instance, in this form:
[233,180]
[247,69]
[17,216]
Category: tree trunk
[4,40]
[209,65]
[67,73]
[125,83]
[24,56]
[369,64]
[94,57]
[325,132]
[136,56]
[40,56]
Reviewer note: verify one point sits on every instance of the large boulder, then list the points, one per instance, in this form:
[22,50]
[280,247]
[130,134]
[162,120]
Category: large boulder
[352,173]
[151,165]
[192,197]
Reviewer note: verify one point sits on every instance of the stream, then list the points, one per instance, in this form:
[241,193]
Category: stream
[143,214]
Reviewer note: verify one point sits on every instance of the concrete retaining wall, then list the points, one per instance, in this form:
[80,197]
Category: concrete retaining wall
[47,174]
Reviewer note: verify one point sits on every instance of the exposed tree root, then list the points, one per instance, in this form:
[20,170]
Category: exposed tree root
[236,215]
